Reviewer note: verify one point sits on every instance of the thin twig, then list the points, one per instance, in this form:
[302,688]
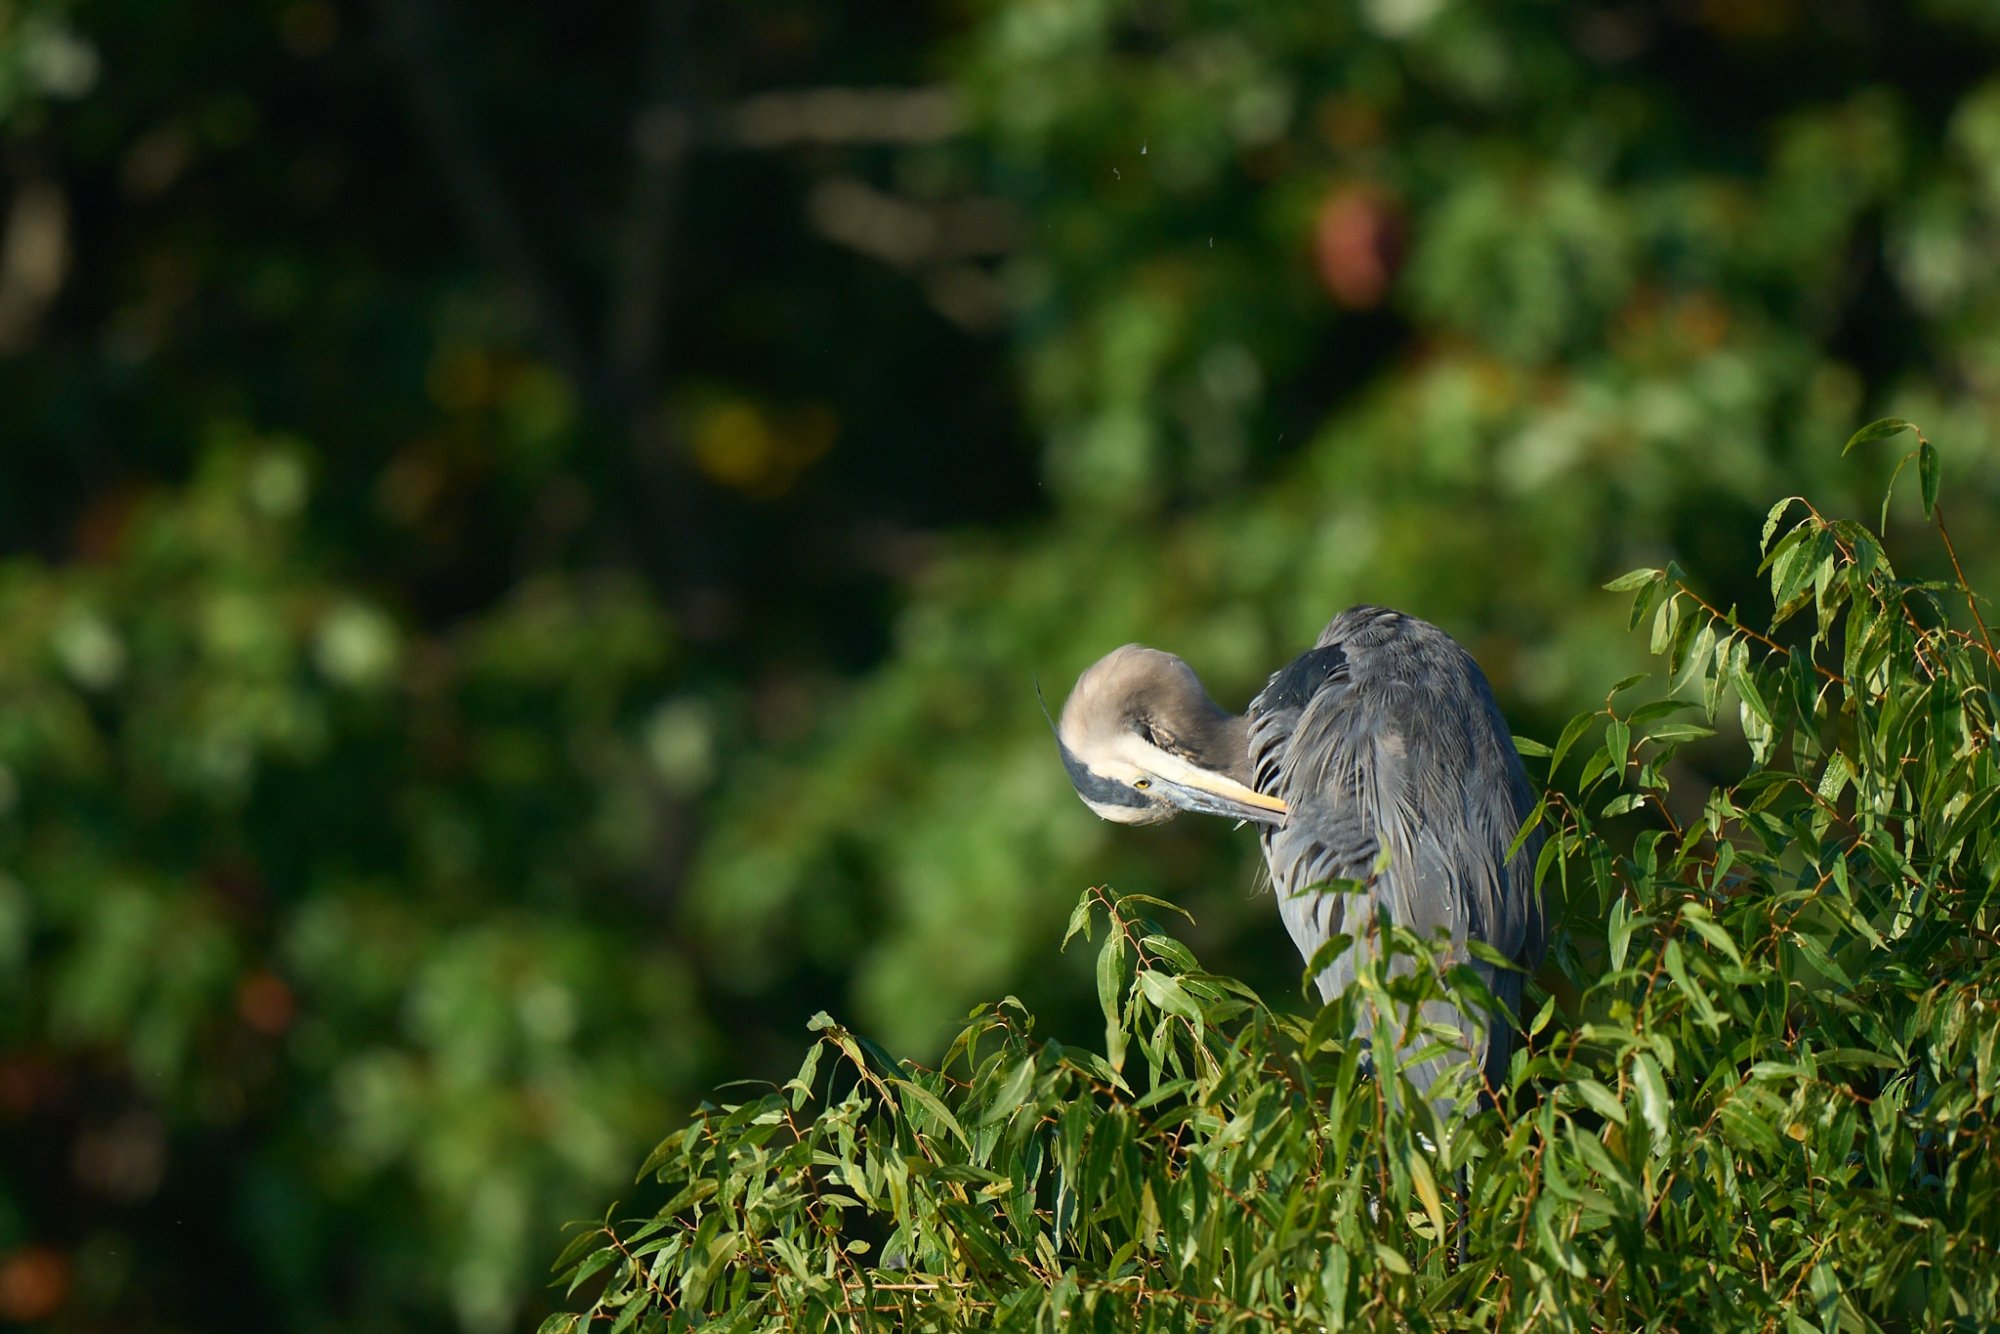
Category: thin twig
[1971,602]
[1767,642]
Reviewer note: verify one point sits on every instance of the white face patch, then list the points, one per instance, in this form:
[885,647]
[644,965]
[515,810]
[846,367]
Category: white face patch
[1150,813]
[1116,787]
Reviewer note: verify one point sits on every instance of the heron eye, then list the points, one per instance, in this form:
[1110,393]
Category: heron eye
[1143,784]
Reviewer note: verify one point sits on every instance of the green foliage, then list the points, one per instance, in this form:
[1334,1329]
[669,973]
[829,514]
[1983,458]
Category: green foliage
[527,532]
[382,979]
[1763,1081]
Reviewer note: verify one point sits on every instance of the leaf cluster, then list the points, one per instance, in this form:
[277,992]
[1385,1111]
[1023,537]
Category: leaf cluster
[1190,1177]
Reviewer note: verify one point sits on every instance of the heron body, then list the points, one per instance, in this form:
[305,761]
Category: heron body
[1378,757]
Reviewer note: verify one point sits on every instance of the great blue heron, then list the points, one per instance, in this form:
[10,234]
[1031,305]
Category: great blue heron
[1377,757]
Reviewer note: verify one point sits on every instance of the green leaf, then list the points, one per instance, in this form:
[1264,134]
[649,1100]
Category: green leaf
[1574,729]
[1111,994]
[1665,621]
[1651,1087]
[579,1246]
[1009,1096]
[1527,829]
[1708,929]
[1793,568]
[1877,430]
[1542,1016]
[1777,512]
[1837,775]
[1643,601]
[702,1275]
[1166,947]
[936,1108]
[1167,993]
[1333,1281]
[1695,658]
[1675,959]
[1633,579]
[800,1085]
[1753,698]
[1889,492]
[595,1264]
[1600,1100]
[1680,732]
[1079,919]
[1927,475]
[1556,1248]
[1426,1188]
[1620,928]
[1326,955]
[1126,900]
[1392,1259]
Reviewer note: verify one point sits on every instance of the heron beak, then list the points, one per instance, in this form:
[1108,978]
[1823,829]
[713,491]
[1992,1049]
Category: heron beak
[1211,793]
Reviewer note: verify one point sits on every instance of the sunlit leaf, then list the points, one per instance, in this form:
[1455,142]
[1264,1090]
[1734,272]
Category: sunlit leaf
[1877,430]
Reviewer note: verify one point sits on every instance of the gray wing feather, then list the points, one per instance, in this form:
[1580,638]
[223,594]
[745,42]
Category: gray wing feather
[1385,739]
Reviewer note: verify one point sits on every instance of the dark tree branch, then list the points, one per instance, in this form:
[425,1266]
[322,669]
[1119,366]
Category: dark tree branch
[660,521]
[665,496]
[661,135]
[417,37]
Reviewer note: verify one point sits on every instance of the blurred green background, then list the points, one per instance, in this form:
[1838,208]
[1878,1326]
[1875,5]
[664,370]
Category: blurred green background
[529,531]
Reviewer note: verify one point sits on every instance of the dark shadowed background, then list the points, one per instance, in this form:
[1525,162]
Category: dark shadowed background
[529,531]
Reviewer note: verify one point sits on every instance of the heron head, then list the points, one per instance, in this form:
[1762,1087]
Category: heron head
[1143,742]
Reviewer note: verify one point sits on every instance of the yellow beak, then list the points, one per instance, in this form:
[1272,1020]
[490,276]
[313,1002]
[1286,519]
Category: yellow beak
[1214,793]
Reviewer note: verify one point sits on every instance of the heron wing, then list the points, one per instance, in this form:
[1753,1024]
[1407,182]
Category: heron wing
[1386,746]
